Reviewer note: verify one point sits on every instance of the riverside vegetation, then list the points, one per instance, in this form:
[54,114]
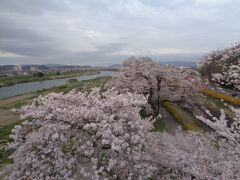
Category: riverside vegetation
[39,76]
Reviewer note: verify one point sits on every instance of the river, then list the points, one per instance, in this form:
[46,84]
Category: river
[22,88]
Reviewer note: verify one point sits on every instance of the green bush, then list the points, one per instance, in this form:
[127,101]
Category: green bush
[215,94]
[72,80]
[38,74]
[159,125]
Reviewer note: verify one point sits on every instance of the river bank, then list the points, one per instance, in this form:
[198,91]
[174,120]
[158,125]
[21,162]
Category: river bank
[17,101]
[24,88]
[12,80]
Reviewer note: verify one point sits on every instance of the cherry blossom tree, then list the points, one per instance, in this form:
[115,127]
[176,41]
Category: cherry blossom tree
[95,135]
[222,66]
[181,85]
[187,155]
[140,75]
[224,126]
[144,76]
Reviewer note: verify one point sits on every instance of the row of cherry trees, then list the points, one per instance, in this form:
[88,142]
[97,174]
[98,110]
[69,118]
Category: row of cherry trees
[223,66]
[101,135]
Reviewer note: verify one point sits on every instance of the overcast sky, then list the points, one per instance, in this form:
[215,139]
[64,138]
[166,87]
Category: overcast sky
[103,32]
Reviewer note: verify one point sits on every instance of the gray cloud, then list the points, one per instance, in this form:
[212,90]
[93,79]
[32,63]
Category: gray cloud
[105,31]
[11,32]
[111,47]
[31,7]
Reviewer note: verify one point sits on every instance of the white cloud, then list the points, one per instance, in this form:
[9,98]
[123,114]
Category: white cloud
[9,54]
[93,34]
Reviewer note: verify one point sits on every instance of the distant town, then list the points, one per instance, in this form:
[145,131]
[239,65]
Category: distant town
[14,70]
[25,69]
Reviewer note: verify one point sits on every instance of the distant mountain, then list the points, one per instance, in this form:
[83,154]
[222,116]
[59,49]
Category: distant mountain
[38,66]
[53,65]
[174,63]
[59,66]
[179,63]
[115,66]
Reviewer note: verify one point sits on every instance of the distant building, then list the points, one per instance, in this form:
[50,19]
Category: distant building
[6,70]
[17,68]
[33,69]
[169,66]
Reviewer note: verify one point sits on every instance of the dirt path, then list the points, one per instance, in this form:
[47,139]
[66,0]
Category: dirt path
[6,115]
[13,100]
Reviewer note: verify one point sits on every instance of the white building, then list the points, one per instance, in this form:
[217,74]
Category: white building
[17,68]
[33,68]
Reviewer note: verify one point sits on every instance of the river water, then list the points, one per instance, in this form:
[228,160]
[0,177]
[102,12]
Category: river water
[39,85]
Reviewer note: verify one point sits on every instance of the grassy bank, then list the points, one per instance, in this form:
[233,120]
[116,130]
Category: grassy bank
[215,94]
[85,85]
[5,131]
[8,120]
[11,80]
[214,105]
[184,118]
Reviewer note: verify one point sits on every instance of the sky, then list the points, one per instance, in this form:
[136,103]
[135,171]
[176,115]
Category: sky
[105,32]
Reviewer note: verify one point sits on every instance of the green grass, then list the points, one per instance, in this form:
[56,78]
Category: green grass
[144,114]
[86,85]
[159,125]
[4,139]
[214,105]
[5,131]
[11,80]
